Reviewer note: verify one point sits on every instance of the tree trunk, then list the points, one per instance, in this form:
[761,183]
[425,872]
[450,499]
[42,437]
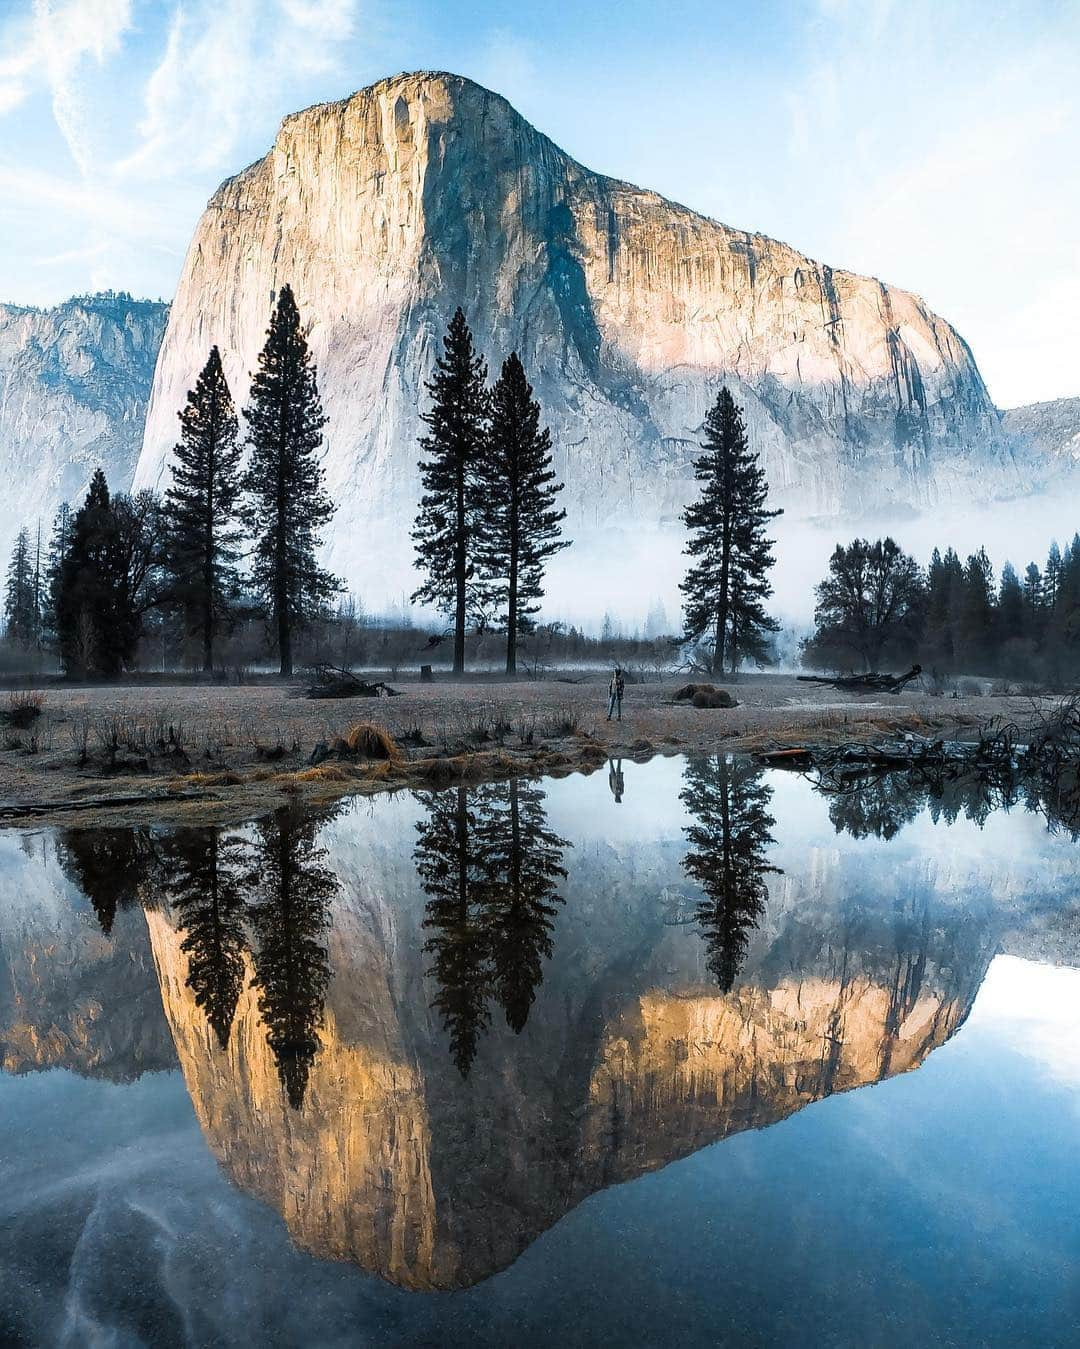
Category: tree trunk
[512,602]
[460,566]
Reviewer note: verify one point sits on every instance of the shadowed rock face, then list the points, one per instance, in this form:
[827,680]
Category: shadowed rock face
[74,385]
[630,1058]
[390,208]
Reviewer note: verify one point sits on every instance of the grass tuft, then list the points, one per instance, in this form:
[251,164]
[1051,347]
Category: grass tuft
[368,741]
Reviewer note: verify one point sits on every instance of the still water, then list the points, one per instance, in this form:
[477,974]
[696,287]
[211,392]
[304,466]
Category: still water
[680,1053]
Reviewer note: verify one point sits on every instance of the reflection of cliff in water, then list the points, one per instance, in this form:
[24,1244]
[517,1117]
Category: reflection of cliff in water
[631,1055]
[308,1006]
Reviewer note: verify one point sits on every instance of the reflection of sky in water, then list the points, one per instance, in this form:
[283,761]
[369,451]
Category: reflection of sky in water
[938,1205]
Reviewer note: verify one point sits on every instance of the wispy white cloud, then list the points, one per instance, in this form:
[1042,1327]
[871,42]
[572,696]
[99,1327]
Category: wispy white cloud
[217,73]
[65,36]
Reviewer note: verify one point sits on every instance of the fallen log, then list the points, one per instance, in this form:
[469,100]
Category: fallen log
[17,810]
[331,681]
[872,682]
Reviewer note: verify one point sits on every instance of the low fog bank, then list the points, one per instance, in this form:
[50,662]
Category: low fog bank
[632,575]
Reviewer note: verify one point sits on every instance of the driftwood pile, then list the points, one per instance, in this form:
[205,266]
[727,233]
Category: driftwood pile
[331,681]
[865,683]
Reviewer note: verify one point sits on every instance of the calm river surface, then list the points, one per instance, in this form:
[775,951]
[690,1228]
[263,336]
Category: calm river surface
[683,1053]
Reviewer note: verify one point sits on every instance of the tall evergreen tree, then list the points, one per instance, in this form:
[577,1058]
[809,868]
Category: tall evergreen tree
[285,505]
[452,481]
[977,638]
[20,619]
[519,523]
[204,880]
[726,587]
[289,915]
[728,799]
[200,510]
[59,545]
[1010,605]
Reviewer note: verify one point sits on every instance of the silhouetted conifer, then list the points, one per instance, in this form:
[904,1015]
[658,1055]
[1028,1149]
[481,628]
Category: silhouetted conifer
[726,587]
[201,535]
[519,523]
[451,477]
[285,505]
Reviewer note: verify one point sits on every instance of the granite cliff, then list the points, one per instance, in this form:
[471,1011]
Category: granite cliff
[386,210]
[74,385]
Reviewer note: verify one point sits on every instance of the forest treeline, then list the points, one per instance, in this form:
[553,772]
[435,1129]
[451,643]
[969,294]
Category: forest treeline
[877,608]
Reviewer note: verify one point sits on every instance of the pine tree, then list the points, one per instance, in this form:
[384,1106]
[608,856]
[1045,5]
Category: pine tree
[286,506]
[204,882]
[451,477]
[726,587]
[1011,619]
[20,625]
[977,615]
[729,799]
[289,916]
[519,524]
[200,510]
[59,545]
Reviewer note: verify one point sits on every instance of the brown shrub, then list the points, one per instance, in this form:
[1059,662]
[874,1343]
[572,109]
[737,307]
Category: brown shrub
[711,697]
[368,741]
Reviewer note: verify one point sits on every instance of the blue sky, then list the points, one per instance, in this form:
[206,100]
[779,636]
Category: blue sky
[933,144]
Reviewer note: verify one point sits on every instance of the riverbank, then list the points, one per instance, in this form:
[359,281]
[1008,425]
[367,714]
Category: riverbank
[191,753]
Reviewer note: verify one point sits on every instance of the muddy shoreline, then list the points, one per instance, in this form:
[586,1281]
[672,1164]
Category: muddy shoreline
[187,754]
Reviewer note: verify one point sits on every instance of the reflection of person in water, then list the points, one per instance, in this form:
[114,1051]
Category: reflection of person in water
[729,801]
[491,869]
[289,917]
[615,780]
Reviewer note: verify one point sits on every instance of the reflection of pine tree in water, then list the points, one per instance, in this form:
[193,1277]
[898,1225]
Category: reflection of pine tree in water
[450,872]
[205,883]
[289,916]
[524,864]
[114,868]
[880,807]
[490,867]
[729,800]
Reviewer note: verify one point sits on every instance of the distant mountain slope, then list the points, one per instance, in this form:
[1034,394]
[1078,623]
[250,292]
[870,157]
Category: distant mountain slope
[1051,430]
[74,384]
[388,209]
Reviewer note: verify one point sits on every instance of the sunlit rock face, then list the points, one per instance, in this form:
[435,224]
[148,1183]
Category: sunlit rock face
[74,385]
[71,995]
[631,1056]
[423,192]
